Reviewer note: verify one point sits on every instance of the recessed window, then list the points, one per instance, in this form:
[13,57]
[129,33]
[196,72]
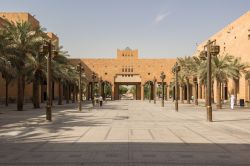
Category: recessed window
[148,73]
[106,73]
[249,37]
[234,37]
[224,48]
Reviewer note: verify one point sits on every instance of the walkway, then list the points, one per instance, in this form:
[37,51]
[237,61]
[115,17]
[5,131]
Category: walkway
[125,133]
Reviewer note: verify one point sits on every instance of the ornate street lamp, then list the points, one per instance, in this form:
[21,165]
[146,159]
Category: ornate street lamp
[48,48]
[212,50]
[175,70]
[163,76]
[80,69]
[92,91]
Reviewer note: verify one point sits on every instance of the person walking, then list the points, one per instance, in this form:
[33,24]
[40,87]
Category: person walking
[100,101]
[232,100]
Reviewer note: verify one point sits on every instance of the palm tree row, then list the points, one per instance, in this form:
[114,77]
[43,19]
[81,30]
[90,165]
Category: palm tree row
[224,67]
[22,61]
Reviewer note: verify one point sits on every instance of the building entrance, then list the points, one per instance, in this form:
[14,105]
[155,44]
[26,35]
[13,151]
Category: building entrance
[127,91]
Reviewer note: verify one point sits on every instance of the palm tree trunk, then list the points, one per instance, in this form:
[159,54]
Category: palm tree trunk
[218,95]
[6,92]
[196,94]
[223,92]
[182,94]
[188,91]
[67,93]
[20,92]
[74,93]
[59,92]
[235,90]
[42,91]
[36,102]
[205,95]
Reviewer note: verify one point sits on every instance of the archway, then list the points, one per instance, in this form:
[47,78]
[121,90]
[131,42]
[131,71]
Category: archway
[131,81]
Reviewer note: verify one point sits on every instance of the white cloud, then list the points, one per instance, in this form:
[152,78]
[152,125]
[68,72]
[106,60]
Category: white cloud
[160,17]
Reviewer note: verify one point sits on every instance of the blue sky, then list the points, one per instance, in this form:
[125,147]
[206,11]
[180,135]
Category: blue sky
[157,28]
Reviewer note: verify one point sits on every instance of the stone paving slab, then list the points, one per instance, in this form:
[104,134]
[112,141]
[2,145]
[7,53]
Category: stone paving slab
[131,133]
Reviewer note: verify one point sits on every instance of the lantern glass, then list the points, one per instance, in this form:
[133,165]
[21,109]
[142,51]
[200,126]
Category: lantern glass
[203,55]
[214,50]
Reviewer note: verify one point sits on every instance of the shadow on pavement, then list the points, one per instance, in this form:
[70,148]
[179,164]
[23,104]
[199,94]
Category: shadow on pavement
[121,154]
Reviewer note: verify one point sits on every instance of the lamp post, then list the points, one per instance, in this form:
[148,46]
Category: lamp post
[212,50]
[163,76]
[48,48]
[80,69]
[175,70]
[93,82]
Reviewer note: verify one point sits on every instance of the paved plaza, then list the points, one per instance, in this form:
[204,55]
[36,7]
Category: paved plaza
[124,133]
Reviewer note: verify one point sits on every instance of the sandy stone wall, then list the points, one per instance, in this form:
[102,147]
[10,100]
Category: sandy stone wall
[234,40]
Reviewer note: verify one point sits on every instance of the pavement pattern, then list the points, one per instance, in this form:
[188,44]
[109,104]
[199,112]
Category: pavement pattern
[124,133]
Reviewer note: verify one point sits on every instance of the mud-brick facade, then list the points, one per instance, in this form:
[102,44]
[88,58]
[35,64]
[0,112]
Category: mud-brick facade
[128,69]
[234,40]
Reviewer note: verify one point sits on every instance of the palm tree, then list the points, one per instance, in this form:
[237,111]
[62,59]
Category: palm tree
[63,72]
[238,68]
[181,82]
[222,69]
[188,68]
[36,72]
[6,68]
[23,37]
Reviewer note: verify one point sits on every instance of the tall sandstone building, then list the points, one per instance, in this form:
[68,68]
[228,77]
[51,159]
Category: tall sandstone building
[234,40]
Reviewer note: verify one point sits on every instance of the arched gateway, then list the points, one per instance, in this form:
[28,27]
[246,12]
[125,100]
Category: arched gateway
[126,69]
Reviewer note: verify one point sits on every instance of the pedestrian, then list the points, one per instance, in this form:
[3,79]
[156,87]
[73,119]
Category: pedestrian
[192,98]
[100,101]
[232,100]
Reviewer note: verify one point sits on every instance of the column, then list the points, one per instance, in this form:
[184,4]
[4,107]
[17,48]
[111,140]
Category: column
[113,92]
[142,92]
[152,90]
[181,94]
[200,91]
